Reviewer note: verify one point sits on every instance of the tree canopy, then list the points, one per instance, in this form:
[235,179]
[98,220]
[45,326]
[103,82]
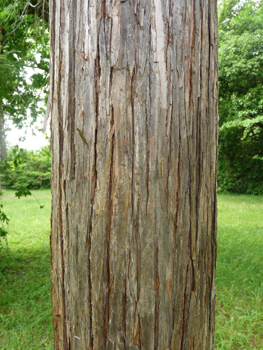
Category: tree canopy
[24,46]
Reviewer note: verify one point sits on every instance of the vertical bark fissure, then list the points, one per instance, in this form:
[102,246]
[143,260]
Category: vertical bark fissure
[195,121]
[157,283]
[140,332]
[178,182]
[133,138]
[108,238]
[90,289]
[198,168]
[135,220]
[93,187]
[147,120]
[198,128]
[137,279]
[168,36]
[137,251]
[73,93]
[209,40]
[103,10]
[124,309]
[175,224]
[184,308]
[135,38]
[169,139]
[147,156]
[71,146]
[71,88]
[190,216]
[89,234]
[191,59]
[61,238]
[169,108]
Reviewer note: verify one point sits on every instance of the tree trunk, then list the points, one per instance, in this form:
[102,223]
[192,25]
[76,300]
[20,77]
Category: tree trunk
[134,140]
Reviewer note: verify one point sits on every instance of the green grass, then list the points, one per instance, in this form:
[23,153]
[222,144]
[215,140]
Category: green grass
[239,311]
[25,308]
[25,303]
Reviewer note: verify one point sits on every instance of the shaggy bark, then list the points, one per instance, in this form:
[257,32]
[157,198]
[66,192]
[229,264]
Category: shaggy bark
[134,139]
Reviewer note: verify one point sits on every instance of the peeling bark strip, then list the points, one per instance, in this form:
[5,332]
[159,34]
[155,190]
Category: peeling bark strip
[134,140]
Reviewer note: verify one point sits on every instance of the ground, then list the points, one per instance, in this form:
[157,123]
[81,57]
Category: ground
[25,303]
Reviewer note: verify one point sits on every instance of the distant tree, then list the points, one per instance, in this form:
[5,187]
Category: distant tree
[241,96]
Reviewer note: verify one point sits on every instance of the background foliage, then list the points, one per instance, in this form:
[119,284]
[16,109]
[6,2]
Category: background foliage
[26,169]
[24,46]
[240,167]
[24,52]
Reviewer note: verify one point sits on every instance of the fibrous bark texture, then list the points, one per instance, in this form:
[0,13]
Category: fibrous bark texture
[134,140]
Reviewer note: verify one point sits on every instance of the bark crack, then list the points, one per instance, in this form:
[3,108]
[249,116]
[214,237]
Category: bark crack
[124,309]
[147,156]
[137,251]
[108,238]
[93,188]
[184,307]
[177,211]
[65,336]
[133,139]
[169,134]
[157,284]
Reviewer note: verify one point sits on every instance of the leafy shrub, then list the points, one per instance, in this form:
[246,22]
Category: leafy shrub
[3,222]
[23,169]
[240,165]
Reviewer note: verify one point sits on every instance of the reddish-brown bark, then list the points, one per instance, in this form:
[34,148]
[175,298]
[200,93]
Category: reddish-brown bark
[134,152]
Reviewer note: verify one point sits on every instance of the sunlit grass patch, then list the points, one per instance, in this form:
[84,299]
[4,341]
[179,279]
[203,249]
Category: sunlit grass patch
[25,303]
[239,312]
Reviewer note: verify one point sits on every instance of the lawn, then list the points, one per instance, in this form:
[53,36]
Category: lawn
[25,310]
[239,311]
[25,303]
